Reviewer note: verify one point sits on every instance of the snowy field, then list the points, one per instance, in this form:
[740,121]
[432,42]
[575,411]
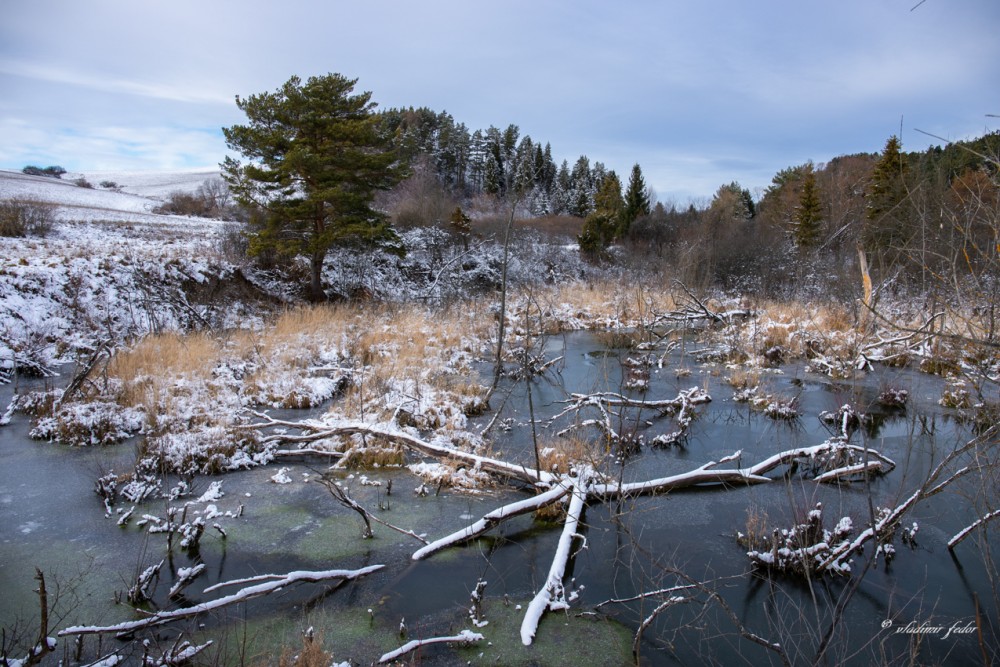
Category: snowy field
[134,199]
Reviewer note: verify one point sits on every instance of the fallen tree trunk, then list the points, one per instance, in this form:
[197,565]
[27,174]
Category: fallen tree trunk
[493,518]
[552,595]
[393,434]
[277,583]
[464,637]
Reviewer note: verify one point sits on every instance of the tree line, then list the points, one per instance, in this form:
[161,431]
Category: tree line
[316,156]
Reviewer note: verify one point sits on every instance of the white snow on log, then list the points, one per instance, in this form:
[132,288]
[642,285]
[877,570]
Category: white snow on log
[552,595]
[464,637]
[493,518]
[243,594]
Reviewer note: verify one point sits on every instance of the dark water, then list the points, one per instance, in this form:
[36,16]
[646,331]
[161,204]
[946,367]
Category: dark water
[50,518]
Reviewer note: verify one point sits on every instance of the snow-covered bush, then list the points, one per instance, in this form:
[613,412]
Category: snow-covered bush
[800,549]
[95,422]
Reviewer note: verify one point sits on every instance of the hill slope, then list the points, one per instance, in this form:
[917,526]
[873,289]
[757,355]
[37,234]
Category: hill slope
[135,194]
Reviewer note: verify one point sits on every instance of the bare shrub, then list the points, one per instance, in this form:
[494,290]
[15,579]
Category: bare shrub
[184,203]
[212,199]
[23,218]
[233,243]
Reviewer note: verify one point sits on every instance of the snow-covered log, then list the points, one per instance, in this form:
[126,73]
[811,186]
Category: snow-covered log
[493,518]
[464,637]
[180,653]
[851,471]
[392,433]
[552,595]
[962,534]
[700,475]
[277,583]
[834,446]
[185,576]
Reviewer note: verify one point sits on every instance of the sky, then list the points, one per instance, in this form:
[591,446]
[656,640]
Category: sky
[698,93]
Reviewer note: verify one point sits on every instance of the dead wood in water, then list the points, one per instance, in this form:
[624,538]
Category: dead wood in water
[271,583]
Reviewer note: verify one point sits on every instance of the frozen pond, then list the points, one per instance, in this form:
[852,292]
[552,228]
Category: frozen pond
[50,518]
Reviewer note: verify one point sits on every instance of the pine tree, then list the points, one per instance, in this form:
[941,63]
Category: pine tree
[562,188]
[636,200]
[315,157]
[809,213]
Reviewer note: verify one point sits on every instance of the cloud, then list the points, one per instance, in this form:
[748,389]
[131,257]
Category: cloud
[94,81]
[109,147]
[698,93]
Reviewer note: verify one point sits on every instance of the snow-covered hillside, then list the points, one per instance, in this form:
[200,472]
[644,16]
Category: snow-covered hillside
[136,195]
[110,268]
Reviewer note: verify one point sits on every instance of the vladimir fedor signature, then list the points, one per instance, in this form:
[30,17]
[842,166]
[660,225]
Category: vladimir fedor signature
[958,628]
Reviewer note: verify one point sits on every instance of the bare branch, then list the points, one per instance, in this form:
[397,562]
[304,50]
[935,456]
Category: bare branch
[344,499]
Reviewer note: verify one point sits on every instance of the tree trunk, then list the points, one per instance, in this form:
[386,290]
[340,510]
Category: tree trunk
[316,292]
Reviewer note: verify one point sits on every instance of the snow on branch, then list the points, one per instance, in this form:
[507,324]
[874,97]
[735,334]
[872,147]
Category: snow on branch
[837,558]
[493,518]
[465,637]
[962,534]
[277,583]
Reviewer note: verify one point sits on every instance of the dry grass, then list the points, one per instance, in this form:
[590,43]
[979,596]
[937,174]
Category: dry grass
[310,655]
[297,336]
[561,454]
[373,456]
[149,367]
[594,304]
[744,378]
[178,354]
[756,534]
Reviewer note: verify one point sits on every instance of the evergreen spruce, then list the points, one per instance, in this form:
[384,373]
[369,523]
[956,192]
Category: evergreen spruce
[636,200]
[602,226]
[887,211]
[809,213]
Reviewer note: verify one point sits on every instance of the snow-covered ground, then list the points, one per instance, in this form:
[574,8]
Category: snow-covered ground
[135,197]
[109,268]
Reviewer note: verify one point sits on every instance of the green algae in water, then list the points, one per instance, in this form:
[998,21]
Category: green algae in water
[347,634]
[558,641]
[306,521]
[352,633]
